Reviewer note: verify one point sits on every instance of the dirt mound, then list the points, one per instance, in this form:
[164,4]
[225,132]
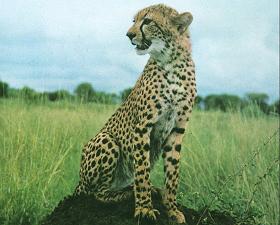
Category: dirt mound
[85,210]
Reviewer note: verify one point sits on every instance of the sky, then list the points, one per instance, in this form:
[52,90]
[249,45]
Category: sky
[50,45]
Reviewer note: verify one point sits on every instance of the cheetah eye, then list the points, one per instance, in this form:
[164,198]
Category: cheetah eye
[147,21]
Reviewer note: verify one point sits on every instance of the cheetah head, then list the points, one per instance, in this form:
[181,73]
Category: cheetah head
[156,27]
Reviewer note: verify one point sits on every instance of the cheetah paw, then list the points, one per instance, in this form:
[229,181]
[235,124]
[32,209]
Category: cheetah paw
[147,213]
[177,216]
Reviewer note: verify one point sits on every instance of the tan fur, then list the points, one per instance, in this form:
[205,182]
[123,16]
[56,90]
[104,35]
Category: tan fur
[151,122]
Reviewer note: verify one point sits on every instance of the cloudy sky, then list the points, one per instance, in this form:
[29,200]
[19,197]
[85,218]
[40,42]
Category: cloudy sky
[49,45]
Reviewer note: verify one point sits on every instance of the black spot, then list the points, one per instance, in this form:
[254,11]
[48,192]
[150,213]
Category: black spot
[149,124]
[178,148]
[137,130]
[146,202]
[140,162]
[174,92]
[167,148]
[141,172]
[178,130]
[110,161]
[93,163]
[110,145]
[98,152]
[146,147]
[158,106]
[183,77]
[144,130]
[174,161]
[105,158]
[169,159]
[104,141]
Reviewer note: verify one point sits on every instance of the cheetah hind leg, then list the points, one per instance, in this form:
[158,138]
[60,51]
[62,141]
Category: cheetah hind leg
[114,196]
[103,192]
[106,195]
[80,189]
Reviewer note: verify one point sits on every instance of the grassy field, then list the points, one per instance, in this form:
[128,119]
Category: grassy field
[225,166]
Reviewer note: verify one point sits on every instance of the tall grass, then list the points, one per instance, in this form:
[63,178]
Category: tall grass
[41,146]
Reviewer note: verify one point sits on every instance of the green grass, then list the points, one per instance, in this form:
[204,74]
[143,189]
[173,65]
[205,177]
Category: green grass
[41,146]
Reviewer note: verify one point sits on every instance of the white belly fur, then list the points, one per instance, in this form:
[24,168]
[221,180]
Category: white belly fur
[160,132]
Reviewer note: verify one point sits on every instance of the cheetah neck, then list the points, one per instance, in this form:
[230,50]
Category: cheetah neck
[174,56]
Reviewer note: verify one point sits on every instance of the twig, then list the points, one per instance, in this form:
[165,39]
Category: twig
[261,178]
[241,169]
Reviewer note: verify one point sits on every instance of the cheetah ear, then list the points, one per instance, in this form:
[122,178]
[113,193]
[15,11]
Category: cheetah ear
[182,21]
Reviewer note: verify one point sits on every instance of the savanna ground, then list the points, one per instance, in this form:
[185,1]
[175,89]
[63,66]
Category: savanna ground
[230,161]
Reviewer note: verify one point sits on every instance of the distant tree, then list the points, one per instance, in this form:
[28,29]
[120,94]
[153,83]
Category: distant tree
[85,92]
[199,102]
[58,95]
[28,93]
[125,93]
[52,96]
[64,94]
[212,102]
[257,97]
[105,98]
[4,88]
[14,92]
[223,102]
[260,99]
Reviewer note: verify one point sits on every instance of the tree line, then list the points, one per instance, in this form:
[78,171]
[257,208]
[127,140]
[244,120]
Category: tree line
[226,102]
[84,92]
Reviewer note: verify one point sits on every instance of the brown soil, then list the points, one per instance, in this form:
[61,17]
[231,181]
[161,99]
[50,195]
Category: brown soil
[85,210]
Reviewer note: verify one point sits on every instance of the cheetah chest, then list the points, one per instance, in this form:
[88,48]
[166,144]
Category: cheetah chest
[123,175]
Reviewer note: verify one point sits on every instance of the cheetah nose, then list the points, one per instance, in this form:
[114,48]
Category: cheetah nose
[130,35]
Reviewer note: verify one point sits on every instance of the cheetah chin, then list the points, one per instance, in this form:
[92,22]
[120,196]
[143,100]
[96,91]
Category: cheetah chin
[154,47]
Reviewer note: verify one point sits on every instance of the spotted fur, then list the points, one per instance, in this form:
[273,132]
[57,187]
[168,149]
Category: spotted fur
[152,120]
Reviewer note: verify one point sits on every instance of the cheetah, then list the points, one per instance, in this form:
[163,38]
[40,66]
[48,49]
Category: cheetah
[150,122]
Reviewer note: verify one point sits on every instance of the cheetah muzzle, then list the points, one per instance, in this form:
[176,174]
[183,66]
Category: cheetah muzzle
[150,123]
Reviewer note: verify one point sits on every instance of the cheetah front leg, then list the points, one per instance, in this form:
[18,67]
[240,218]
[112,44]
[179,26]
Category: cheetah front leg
[171,156]
[142,185]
